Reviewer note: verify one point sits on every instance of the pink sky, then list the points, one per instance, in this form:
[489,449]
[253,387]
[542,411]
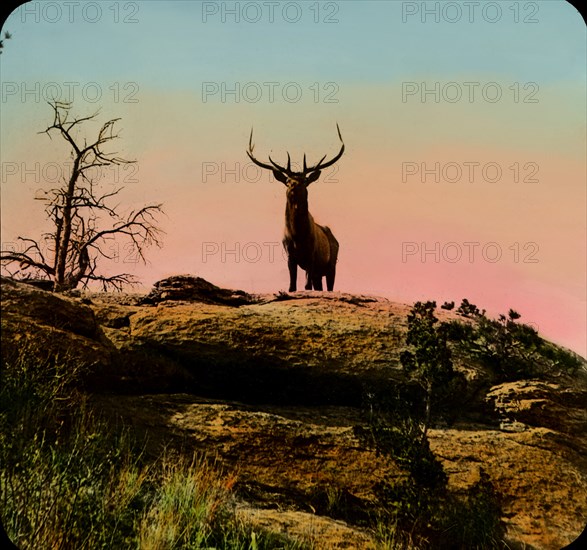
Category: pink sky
[229,231]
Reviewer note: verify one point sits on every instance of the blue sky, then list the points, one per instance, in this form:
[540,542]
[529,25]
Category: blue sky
[171,46]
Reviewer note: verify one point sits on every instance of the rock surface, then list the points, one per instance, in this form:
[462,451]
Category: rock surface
[272,388]
[186,287]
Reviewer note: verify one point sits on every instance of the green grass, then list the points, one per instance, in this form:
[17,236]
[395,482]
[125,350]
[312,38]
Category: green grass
[68,479]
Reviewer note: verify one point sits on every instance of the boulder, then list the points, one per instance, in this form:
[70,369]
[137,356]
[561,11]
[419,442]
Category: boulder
[189,288]
[48,308]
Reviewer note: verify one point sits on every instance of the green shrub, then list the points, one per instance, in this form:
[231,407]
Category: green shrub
[509,349]
[466,309]
[427,359]
[405,442]
[417,507]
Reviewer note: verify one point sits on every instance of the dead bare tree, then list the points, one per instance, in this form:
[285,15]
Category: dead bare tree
[84,223]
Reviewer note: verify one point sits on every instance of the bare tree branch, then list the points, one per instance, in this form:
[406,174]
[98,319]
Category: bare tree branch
[79,238]
[25,262]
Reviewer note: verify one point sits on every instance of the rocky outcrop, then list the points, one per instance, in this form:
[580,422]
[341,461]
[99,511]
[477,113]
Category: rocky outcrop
[188,288]
[299,347]
[300,466]
[539,403]
[272,386]
[302,349]
[48,309]
[46,325]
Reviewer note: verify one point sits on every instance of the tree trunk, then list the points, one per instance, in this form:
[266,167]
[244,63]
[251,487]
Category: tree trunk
[428,411]
[63,246]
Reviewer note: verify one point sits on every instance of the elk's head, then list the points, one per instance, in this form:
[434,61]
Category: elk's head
[296,182]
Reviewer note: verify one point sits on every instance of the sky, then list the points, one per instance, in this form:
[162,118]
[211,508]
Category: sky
[464,174]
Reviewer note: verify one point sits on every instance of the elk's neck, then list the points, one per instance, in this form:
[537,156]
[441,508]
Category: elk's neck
[298,220]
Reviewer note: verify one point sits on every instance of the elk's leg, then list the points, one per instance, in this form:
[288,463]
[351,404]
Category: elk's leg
[330,274]
[317,282]
[293,273]
[308,280]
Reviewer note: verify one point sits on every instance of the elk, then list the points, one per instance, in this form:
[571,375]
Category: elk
[308,245]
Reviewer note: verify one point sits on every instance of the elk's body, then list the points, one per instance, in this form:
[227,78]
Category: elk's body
[309,245]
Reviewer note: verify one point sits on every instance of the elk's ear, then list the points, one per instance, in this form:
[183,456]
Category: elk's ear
[280,177]
[313,177]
